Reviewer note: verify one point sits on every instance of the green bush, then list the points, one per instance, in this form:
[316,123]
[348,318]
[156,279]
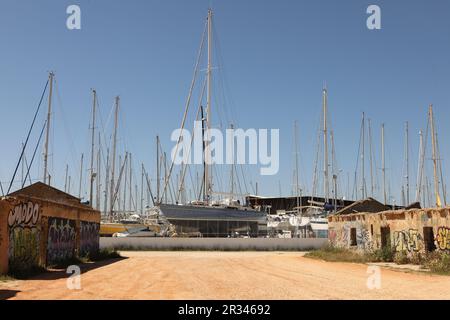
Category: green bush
[385,254]
[401,258]
[438,263]
[335,254]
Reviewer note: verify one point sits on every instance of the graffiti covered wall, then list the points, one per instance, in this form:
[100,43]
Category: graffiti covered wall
[89,238]
[4,236]
[412,231]
[61,242]
[24,235]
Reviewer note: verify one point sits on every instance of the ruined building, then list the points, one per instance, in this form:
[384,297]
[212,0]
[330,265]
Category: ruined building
[41,226]
[410,231]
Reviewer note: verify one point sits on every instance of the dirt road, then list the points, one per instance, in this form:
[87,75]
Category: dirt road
[227,275]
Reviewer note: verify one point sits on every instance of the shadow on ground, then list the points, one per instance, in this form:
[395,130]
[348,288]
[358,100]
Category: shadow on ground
[55,274]
[8,294]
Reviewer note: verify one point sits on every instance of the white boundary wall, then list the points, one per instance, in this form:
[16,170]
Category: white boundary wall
[226,244]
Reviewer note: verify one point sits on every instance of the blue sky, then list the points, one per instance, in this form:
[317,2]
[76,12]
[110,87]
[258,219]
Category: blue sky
[276,57]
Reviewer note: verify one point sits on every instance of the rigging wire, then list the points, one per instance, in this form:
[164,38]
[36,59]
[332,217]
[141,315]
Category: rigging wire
[188,102]
[34,154]
[28,137]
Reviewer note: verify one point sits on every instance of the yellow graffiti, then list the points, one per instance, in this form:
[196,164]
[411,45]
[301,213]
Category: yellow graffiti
[443,238]
[409,240]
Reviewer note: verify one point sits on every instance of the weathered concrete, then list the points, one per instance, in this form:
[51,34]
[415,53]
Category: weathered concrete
[40,225]
[416,230]
[229,244]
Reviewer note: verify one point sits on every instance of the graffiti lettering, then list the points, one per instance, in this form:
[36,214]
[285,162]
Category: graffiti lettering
[24,244]
[89,238]
[363,239]
[443,238]
[26,214]
[61,240]
[408,240]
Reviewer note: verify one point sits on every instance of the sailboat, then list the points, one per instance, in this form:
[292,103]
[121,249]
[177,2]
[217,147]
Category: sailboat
[207,217]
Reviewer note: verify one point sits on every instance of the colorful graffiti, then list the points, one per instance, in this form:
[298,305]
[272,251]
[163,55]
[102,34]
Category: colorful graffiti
[61,242]
[24,235]
[364,239]
[89,238]
[443,238]
[408,240]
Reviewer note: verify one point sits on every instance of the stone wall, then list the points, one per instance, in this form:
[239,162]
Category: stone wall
[417,230]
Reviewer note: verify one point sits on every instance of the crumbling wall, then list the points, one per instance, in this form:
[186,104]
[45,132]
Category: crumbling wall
[24,235]
[4,236]
[417,230]
[39,233]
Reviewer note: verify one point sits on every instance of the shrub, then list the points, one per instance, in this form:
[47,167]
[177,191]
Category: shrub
[401,258]
[438,263]
[335,254]
[385,254]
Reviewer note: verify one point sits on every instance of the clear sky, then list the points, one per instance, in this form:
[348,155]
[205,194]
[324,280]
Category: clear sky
[276,55]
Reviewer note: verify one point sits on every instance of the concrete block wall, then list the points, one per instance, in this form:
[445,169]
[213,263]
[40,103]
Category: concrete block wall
[410,231]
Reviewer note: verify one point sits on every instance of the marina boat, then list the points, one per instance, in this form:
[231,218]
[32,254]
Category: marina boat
[207,216]
[131,225]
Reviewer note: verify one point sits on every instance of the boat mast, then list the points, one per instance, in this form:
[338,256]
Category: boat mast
[435,169]
[296,166]
[372,184]
[383,157]
[98,176]
[81,175]
[65,179]
[142,189]
[47,134]
[91,192]
[407,162]
[363,139]
[158,174]
[325,146]
[208,110]
[420,169]
[130,200]
[113,164]
[105,205]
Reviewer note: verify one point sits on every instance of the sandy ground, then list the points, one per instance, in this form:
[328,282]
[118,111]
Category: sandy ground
[227,275]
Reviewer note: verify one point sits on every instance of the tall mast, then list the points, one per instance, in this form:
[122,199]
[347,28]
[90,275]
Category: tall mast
[296,166]
[125,172]
[420,169]
[435,164]
[65,179]
[383,157]
[91,192]
[208,108]
[158,175]
[105,204]
[407,162]
[98,176]
[142,189]
[363,160]
[326,182]
[81,176]
[113,164]
[232,171]
[47,135]
[130,200]
[372,184]
[334,170]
